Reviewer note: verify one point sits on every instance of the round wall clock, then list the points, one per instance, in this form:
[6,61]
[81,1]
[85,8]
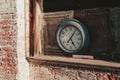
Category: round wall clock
[72,36]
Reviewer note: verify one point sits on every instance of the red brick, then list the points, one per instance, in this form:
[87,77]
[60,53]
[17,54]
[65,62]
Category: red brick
[10,42]
[3,64]
[9,54]
[6,27]
[7,49]
[7,37]
[8,33]
[3,43]
[7,22]
[2,33]
[6,59]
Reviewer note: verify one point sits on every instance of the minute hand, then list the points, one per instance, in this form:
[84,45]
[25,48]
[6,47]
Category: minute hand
[71,36]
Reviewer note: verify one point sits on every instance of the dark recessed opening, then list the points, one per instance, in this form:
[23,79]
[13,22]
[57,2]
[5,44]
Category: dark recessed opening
[62,5]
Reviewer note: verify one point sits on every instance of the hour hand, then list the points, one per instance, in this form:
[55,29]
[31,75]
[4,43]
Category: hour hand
[73,43]
[71,36]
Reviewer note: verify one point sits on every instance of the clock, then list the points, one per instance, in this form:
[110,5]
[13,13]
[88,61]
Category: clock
[72,36]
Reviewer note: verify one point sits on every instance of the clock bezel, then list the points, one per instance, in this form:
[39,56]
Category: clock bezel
[84,33]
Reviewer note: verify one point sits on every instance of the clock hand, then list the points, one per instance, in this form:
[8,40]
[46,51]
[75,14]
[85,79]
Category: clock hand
[73,43]
[71,36]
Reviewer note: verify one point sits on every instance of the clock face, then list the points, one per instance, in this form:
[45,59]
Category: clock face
[72,36]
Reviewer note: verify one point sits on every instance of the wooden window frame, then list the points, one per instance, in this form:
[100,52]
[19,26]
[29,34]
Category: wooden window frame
[35,51]
[32,31]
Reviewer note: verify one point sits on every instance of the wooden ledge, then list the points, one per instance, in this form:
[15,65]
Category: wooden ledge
[74,61]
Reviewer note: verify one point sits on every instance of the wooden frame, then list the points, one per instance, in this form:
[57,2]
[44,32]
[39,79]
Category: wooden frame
[32,30]
[34,34]
[27,28]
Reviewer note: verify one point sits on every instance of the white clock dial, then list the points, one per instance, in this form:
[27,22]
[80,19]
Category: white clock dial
[70,38]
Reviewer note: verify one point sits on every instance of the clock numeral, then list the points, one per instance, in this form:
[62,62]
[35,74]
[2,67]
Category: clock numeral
[77,34]
[70,47]
[63,32]
[67,44]
[70,28]
[63,42]
[61,36]
[66,29]
[79,38]
[78,42]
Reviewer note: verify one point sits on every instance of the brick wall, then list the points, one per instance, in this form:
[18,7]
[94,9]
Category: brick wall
[8,40]
[64,71]
[13,65]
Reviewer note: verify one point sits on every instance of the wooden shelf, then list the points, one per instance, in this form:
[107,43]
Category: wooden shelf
[68,60]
